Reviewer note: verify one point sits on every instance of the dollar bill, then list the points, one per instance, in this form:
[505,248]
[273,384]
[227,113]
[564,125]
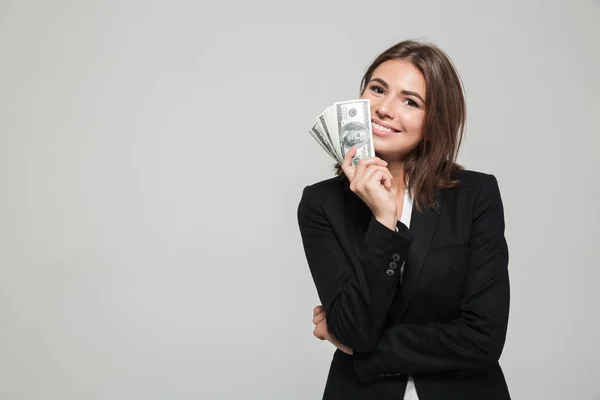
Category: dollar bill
[353,128]
[343,125]
[328,117]
[317,134]
[325,127]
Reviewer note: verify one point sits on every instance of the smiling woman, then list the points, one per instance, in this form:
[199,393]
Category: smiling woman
[407,249]
[418,111]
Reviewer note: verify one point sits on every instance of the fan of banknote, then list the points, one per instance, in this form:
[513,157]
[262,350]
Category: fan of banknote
[343,125]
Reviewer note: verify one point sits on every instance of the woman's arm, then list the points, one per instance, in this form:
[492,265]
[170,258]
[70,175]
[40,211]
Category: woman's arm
[477,336]
[357,295]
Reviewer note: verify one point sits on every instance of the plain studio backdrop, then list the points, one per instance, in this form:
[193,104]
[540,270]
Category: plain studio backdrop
[153,154]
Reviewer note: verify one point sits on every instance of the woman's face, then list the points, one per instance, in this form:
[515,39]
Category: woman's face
[397,94]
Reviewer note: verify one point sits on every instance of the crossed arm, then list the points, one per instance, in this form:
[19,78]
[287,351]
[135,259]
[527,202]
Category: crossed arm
[355,293]
[474,339]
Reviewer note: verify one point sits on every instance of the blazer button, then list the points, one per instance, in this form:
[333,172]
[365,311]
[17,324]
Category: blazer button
[396,257]
[393,265]
[390,272]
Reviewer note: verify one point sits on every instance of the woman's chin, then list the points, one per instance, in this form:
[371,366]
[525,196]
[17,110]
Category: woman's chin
[387,151]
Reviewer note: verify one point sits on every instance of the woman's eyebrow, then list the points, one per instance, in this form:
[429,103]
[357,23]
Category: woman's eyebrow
[405,92]
[381,81]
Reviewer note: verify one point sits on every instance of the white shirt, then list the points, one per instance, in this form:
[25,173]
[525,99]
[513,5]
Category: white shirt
[411,390]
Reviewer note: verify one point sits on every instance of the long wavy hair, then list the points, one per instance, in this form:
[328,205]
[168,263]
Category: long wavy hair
[430,166]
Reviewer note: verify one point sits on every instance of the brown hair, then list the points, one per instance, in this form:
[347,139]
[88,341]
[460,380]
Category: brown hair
[430,165]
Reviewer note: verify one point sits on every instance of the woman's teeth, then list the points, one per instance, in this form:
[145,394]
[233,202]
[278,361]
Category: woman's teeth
[382,128]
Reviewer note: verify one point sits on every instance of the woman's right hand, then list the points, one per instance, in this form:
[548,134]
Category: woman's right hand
[322,331]
[372,181]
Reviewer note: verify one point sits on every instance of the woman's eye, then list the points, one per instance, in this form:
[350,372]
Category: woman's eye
[411,103]
[377,89]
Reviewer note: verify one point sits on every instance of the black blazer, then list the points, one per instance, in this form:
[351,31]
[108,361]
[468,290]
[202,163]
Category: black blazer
[445,323]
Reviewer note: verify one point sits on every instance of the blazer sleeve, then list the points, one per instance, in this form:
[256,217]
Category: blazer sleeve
[356,294]
[476,338]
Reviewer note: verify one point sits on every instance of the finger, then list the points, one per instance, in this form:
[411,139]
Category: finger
[380,178]
[347,166]
[372,160]
[317,333]
[318,310]
[385,179]
[375,173]
[320,331]
[317,319]
[349,156]
[363,165]
[384,176]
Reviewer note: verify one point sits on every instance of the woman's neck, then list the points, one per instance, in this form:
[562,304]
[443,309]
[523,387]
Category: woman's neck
[396,168]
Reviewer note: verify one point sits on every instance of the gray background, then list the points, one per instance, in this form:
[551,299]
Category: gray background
[153,153]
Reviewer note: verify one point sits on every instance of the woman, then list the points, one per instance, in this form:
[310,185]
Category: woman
[407,250]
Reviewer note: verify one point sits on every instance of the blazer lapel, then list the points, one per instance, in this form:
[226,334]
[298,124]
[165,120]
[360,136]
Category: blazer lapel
[422,226]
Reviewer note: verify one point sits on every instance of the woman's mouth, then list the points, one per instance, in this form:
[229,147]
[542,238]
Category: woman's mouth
[381,130]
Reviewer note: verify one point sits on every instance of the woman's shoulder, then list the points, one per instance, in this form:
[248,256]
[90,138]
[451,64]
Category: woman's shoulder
[477,186]
[473,179]
[327,186]
[325,190]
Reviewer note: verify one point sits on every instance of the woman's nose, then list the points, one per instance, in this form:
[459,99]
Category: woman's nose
[386,109]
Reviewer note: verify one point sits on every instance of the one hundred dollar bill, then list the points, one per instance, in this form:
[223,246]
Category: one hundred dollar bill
[318,135]
[353,128]
[343,125]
